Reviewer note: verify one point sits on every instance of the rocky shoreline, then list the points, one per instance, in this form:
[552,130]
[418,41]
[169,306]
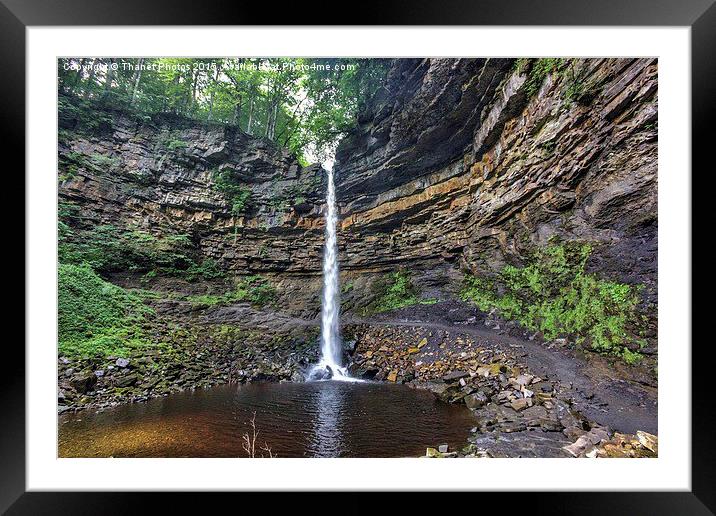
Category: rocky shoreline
[194,347]
[520,410]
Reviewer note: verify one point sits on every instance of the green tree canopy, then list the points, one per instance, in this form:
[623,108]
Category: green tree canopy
[302,104]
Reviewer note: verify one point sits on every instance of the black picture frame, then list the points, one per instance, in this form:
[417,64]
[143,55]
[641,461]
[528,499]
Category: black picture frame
[17,15]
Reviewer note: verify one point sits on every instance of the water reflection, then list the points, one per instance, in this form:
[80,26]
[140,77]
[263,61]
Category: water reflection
[315,419]
[328,429]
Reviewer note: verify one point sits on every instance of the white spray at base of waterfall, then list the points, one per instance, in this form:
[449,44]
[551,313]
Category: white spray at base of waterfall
[331,361]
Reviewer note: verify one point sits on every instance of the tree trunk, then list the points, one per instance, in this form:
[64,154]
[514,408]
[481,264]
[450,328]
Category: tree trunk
[78,76]
[109,77]
[176,106]
[251,114]
[135,80]
[90,79]
[269,109]
[271,130]
[194,81]
[211,95]
[237,113]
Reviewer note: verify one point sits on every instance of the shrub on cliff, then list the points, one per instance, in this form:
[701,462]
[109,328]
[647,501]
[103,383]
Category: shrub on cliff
[395,290]
[554,294]
[255,289]
[109,249]
[96,317]
[235,193]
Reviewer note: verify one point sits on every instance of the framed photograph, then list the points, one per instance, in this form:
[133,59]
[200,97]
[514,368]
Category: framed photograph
[445,249]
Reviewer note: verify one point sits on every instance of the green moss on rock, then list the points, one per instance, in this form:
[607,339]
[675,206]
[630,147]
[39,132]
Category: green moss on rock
[554,295]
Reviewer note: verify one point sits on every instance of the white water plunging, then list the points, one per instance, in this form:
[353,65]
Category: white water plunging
[331,362]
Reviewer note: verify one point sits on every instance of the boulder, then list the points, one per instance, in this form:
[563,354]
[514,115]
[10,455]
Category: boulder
[84,383]
[455,376]
[535,412]
[432,453]
[579,447]
[476,400]
[648,441]
[349,346]
[521,404]
[127,381]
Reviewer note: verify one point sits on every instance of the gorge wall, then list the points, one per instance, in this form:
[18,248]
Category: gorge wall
[158,175]
[468,164]
[455,165]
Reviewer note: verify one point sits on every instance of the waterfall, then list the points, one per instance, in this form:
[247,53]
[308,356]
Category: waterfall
[331,362]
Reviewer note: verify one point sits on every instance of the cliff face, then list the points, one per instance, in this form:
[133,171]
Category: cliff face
[159,175]
[456,164]
[470,163]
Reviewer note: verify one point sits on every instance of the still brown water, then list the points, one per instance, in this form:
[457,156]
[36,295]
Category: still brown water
[313,419]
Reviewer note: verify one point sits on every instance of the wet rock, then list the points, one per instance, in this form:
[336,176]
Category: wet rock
[122,362]
[127,381]
[349,346]
[368,373]
[535,412]
[84,383]
[597,435]
[579,447]
[521,404]
[573,432]
[476,400]
[523,380]
[320,373]
[512,426]
[444,391]
[455,375]
[550,425]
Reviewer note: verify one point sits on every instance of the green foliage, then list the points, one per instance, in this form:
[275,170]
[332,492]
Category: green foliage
[170,142]
[578,88]
[80,113]
[554,294]
[540,69]
[208,269]
[396,290]
[254,289]
[108,249]
[96,317]
[302,104]
[237,195]
[96,163]
[102,163]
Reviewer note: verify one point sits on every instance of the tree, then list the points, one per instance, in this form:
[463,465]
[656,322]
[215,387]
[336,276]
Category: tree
[304,105]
